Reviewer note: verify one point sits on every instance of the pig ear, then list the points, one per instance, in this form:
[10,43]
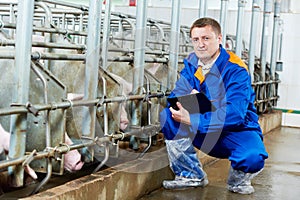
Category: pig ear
[74,96]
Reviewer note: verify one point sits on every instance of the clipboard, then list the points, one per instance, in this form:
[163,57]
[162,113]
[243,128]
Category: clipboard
[194,103]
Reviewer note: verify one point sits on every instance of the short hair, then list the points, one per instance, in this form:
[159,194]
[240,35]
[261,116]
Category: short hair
[205,21]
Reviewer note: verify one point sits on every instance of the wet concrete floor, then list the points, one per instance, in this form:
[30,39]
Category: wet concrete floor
[280,179]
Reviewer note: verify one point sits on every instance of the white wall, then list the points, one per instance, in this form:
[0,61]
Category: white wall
[289,89]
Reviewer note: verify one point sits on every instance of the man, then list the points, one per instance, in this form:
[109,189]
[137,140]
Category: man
[231,131]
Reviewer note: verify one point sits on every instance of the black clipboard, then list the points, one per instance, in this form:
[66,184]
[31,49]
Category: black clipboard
[194,103]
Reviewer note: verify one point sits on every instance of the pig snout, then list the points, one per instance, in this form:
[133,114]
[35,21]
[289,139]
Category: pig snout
[72,160]
[123,118]
[123,123]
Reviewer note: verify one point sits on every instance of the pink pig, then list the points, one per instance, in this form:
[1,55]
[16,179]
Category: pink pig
[72,159]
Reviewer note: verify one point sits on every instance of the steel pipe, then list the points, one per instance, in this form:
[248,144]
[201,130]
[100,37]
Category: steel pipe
[253,37]
[50,152]
[106,34]
[275,38]
[174,44]
[18,123]
[19,109]
[265,35]
[7,42]
[202,8]
[48,129]
[72,5]
[91,69]
[46,56]
[49,30]
[223,20]
[239,27]
[139,55]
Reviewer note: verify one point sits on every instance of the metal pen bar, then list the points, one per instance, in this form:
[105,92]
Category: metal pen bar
[46,44]
[18,108]
[49,30]
[50,152]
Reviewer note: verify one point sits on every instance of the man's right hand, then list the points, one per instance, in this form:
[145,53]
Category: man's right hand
[181,115]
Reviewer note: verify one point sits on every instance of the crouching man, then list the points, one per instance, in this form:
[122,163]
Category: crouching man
[231,131]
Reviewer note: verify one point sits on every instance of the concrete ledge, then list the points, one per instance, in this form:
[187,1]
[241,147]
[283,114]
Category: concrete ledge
[132,179]
[270,121]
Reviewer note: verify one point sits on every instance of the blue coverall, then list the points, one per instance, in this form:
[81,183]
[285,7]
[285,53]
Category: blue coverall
[232,131]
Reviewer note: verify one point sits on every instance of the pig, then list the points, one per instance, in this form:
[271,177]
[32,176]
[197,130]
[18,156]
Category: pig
[4,141]
[72,159]
[4,148]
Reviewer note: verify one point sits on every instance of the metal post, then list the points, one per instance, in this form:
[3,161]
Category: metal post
[139,57]
[265,35]
[275,49]
[174,43]
[12,19]
[253,37]
[106,32]
[202,8]
[239,27]
[223,20]
[263,53]
[81,38]
[91,67]
[275,38]
[18,124]
[48,21]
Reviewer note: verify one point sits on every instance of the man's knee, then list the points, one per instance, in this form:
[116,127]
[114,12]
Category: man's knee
[250,161]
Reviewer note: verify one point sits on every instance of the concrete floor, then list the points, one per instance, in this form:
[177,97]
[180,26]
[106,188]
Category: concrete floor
[279,180]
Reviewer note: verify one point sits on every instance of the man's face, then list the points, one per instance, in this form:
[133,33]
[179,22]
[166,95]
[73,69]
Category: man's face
[206,43]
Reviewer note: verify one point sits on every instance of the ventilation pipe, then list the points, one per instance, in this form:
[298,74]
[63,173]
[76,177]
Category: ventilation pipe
[174,43]
[253,37]
[239,28]
[223,19]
